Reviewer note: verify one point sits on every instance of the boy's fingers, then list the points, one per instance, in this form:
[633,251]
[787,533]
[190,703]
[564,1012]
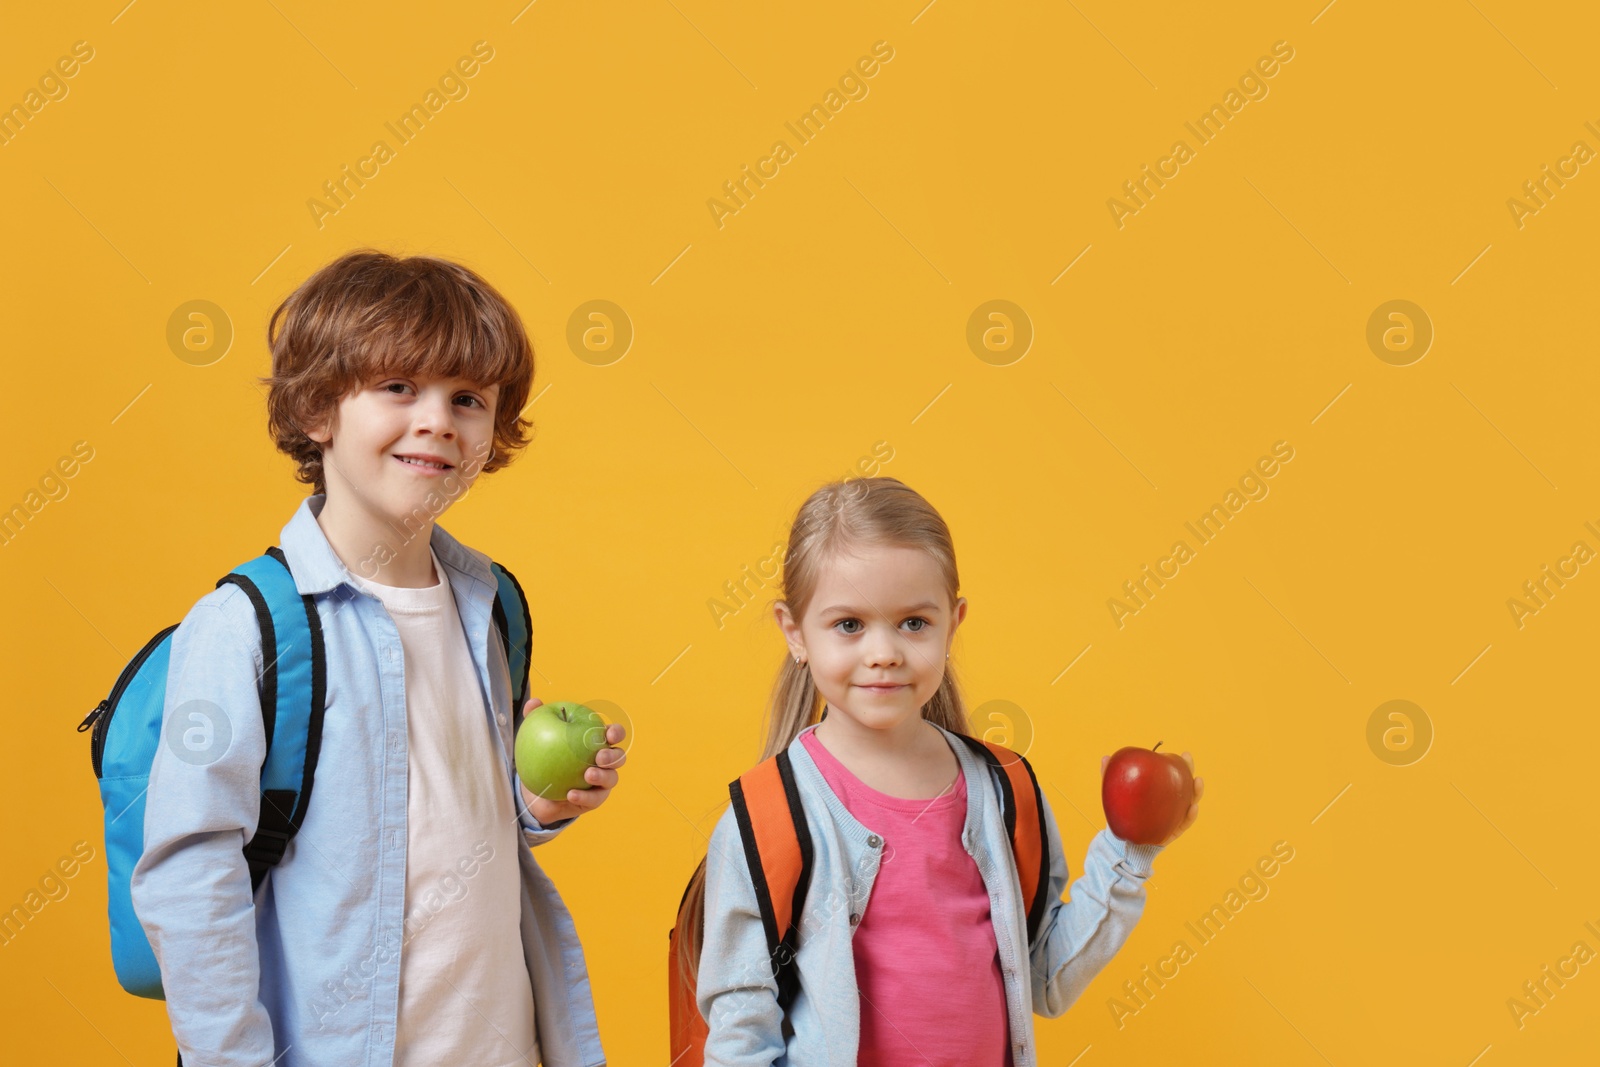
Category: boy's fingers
[533,702]
[588,799]
[615,732]
[611,757]
[601,777]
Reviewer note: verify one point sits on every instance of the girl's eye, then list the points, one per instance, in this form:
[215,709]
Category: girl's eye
[923,625]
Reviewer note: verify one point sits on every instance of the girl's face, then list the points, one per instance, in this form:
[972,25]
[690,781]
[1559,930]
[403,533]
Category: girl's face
[876,635]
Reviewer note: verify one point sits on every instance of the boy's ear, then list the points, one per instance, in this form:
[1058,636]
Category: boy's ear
[318,431]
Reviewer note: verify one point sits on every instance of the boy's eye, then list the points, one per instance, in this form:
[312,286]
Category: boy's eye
[471,400]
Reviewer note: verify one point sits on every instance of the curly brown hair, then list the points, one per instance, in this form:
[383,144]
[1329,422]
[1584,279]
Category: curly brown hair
[368,314]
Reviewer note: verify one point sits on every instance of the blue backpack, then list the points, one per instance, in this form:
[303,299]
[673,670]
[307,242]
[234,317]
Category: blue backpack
[127,728]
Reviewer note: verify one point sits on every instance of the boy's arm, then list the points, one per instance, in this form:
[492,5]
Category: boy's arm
[1078,937]
[533,831]
[191,886]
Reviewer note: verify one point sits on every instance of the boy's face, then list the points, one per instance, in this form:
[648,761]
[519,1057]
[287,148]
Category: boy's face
[447,420]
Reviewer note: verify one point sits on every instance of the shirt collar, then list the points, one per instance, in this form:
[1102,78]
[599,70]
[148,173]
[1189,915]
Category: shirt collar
[317,568]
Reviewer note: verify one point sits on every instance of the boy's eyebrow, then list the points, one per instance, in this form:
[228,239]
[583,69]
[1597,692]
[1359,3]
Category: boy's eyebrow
[926,605]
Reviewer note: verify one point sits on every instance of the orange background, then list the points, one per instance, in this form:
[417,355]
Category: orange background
[830,313]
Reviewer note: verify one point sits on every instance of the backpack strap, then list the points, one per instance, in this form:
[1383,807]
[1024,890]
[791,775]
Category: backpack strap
[515,627]
[293,694]
[777,847]
[1024,818]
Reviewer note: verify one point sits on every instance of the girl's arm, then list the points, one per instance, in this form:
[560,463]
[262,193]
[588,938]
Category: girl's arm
[736,992]
[1078,937]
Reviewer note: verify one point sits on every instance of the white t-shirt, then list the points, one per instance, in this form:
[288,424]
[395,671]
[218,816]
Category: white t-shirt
[465,994]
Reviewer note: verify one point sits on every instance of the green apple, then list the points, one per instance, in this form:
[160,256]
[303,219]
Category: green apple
[555,745]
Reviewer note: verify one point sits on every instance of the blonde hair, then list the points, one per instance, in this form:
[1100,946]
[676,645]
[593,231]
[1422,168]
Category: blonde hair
[837,518]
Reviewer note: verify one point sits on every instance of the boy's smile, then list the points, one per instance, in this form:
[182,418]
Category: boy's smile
[397,452]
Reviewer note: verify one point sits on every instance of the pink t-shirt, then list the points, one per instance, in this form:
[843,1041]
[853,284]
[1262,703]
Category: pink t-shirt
[926,960]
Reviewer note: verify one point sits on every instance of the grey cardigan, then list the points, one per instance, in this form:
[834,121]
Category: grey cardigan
[736,992]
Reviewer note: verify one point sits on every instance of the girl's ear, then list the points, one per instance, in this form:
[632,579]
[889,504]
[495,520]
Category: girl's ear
[790,628]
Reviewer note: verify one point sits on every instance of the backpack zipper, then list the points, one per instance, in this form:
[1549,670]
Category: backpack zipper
[100,717]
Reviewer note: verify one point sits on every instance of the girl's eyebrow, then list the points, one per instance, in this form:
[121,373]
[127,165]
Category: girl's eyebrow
[926,605]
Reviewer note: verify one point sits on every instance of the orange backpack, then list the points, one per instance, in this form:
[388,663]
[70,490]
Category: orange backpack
[777,846]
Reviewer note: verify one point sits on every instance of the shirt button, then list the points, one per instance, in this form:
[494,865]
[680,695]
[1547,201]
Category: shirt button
[502,718]
[855,918]
[874,841]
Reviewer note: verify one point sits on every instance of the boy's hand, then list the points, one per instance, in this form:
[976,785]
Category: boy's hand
[1194,808]
[602,778]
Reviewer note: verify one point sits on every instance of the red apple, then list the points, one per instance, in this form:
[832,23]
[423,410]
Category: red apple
[1146,794]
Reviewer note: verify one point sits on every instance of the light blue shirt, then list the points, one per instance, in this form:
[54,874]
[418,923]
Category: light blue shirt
[307,973]
[739,998]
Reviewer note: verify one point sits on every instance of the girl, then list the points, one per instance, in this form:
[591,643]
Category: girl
[913,942]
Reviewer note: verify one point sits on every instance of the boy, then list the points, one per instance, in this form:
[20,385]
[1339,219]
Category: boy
[407,922]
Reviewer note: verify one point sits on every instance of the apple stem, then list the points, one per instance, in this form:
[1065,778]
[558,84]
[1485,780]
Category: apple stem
[1158,745]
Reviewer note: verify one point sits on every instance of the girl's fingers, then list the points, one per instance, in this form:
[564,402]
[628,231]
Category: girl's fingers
[611,757]
[601,777]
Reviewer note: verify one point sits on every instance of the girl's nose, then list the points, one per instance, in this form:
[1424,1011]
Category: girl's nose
[883,654]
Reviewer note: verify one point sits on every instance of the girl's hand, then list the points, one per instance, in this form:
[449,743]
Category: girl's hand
[1194,808]
[602,778]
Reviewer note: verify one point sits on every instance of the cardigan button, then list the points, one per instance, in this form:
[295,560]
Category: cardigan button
[855,918]
[874,841]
